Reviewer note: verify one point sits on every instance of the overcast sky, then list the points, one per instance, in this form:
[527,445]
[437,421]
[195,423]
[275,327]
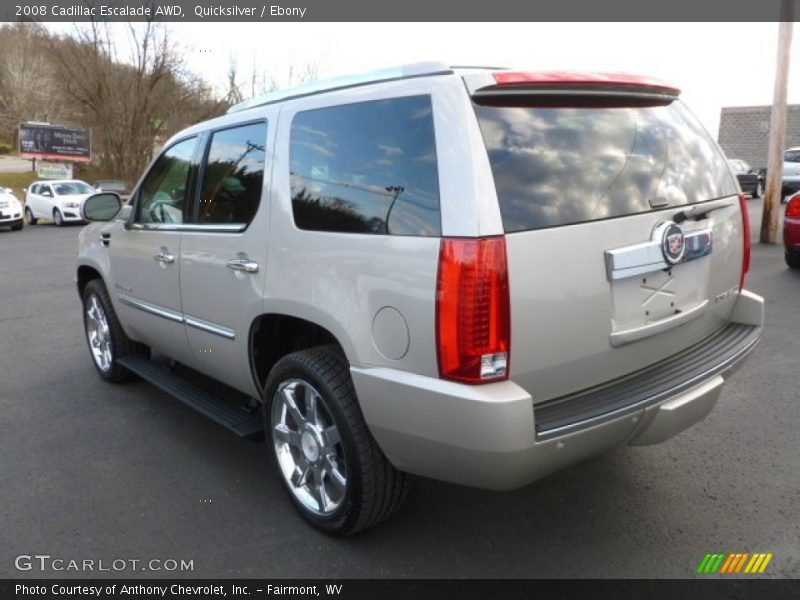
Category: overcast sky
[725,64]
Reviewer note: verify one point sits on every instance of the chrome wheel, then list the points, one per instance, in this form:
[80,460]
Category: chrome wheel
[308,447]
[98,333]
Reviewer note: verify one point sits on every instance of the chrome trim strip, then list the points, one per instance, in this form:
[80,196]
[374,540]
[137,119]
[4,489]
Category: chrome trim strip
[219,330]
[153,309]
[177,317]
[191,227]
[646,257]
[655,399]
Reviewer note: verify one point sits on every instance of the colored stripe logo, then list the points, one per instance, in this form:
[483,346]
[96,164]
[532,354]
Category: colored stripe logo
[735,563]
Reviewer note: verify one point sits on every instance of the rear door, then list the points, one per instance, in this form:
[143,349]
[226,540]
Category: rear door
[611,266]
[224,252]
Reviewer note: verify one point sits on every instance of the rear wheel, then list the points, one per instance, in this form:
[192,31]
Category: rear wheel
[333,469]
[792,259]
[29,218]
[759,191]
[58,217]
[107,341]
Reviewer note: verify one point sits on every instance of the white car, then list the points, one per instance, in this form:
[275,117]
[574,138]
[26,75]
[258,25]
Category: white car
[59,200]
[10,210]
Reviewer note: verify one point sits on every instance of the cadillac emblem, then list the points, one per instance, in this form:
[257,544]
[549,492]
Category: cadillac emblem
[673,245]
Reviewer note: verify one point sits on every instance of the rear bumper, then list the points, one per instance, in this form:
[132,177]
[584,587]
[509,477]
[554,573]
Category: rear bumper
[487,436]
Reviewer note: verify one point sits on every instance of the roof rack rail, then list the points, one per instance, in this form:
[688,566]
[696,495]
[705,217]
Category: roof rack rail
[337,83]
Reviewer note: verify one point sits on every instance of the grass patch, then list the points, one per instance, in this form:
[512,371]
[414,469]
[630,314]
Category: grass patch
[17,181]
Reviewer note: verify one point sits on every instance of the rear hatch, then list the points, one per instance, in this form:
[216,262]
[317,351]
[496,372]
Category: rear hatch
[624,229]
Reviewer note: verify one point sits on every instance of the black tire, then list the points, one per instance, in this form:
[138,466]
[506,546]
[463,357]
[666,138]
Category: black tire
[120,344]
[58,218]
[759,191]
[29,216]
[17,227]
[375,490]
[792,259]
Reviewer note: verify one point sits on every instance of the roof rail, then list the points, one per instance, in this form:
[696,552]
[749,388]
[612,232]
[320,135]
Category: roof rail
[345,81]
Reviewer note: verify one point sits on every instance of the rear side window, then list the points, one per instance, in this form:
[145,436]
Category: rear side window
[368,167]
[556,166]
[234,175]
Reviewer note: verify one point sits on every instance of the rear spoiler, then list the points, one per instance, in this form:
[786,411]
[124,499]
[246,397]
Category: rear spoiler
[560,88]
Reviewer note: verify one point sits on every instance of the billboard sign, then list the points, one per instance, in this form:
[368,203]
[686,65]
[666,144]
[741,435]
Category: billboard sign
[53,170]
[55,142]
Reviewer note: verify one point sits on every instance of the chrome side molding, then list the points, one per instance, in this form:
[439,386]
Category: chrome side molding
[172,315]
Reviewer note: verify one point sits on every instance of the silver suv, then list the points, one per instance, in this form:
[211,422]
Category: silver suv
[475,275]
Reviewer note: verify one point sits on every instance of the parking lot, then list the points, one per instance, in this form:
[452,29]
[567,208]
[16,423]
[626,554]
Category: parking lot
[89,470]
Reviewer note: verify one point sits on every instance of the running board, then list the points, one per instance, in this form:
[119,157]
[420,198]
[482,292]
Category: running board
[215,406]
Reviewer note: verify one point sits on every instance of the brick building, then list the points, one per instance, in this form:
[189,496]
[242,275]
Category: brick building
[744,132]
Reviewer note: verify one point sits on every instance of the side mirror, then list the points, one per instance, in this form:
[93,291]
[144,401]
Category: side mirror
[101,207]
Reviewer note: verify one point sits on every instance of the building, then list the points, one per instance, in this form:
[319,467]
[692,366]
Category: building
[744,132]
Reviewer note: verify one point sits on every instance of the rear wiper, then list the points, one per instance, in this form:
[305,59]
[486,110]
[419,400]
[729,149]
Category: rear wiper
[697,214]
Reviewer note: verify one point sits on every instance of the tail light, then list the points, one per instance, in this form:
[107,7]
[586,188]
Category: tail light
[793,207]
[746,240]
[473,314]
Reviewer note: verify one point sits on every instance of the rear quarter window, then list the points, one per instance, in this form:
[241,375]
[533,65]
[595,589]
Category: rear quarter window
[555,166]
[368,167]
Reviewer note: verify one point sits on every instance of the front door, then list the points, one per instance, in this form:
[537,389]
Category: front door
[145,253]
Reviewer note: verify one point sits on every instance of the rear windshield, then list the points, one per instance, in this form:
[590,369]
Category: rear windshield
[556,166]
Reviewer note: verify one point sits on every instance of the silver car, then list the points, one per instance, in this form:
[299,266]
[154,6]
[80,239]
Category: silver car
[475,275]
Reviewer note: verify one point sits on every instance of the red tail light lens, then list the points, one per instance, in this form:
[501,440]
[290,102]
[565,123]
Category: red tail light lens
[473,314]
[746,241]
[793,208]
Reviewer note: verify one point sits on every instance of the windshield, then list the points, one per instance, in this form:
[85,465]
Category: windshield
[72,187]
[792,156]
[559,165]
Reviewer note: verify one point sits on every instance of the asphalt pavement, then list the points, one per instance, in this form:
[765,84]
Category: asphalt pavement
[90,470]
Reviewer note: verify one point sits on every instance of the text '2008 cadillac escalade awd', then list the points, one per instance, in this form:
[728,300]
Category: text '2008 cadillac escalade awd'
[475,275]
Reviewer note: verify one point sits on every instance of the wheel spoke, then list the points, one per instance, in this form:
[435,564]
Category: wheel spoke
[284,434]
[330,436]
[291,405]
[318,488]
[335,475]
[300,474]
[311,405]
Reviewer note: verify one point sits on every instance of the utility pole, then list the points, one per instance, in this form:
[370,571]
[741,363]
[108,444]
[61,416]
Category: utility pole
[777,129]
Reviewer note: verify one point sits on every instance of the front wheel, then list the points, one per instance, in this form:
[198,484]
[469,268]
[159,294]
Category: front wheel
[792,259]
[107,341]
[58,217]
[759,191]
[17,227]
[29,218]
[333,469]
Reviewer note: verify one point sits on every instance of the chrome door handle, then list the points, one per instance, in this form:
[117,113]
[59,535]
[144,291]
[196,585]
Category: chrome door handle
[242,264]
[164,256]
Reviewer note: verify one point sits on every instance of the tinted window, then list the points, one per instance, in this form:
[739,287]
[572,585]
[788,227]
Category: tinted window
[234,175]
[165,190]
[792,156]
[366,168]
[554,166]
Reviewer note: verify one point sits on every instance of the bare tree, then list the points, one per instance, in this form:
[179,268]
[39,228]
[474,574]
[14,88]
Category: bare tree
[131,85]
[27,86]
